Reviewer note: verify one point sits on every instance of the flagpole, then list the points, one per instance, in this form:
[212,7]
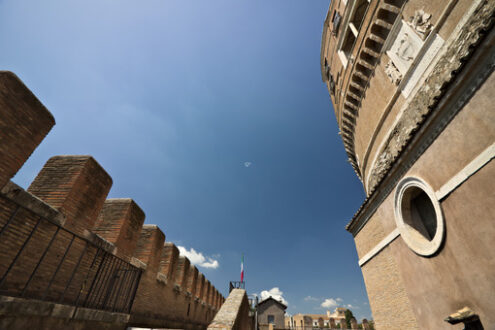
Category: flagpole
[242,268]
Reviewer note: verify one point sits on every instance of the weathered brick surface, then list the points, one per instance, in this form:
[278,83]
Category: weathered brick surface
[166,304]
[75,185]
[168,261]
[206,294]
[192,280]
[200,286]
[41,259]
[149,247]
[370,235]
[182,272]
[386,292]
[120,222]
[24,122]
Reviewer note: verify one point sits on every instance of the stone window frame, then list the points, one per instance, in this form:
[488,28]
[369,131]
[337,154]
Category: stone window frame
[413,239]
[349,30]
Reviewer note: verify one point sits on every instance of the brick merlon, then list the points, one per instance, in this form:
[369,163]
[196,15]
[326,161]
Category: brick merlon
[75,185]
[24,123]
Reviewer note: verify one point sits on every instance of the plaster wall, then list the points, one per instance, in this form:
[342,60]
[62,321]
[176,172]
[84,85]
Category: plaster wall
[461,274]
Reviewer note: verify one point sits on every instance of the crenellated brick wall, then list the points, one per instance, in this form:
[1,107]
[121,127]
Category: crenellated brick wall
[65,243]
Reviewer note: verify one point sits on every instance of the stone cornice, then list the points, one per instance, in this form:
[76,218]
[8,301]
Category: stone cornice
[424,101]
[442,93]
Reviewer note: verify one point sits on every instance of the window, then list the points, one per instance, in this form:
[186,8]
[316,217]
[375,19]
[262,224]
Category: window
[359,11]
[351,30]
[418,216]
[271,319]
[331,85]
[336,18]
[348,43]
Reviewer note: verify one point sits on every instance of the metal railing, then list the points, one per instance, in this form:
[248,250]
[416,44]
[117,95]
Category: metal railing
[39,259]
[236,285]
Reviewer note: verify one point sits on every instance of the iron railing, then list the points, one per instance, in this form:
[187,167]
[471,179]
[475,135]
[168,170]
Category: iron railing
[39,259]
[236,285]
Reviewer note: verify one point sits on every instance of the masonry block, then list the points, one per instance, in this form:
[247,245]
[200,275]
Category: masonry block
[216,295]
[206,295]
[212,294]
[120,222]
[183,265]
[168,261]
[200,286]
[149,247]
[234,314]
[220,297]
[24,123]
[192,280]
[75,185]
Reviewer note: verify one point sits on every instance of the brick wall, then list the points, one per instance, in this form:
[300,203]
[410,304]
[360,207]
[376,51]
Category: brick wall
[24,122]
[94,233]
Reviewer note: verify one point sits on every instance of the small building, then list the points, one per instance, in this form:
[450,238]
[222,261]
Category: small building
[310,321]
[271,311]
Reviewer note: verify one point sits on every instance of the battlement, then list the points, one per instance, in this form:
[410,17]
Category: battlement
[65,243]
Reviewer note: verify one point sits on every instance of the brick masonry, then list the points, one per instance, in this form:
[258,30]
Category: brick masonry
[71,191]
[24,122]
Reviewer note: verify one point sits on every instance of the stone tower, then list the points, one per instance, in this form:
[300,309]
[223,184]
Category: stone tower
[411,85]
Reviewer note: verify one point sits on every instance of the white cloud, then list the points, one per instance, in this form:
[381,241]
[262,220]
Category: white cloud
[275,293]
[329,303]
[351,306]
[198,259]
[247,164]
[309,298]
[339,299]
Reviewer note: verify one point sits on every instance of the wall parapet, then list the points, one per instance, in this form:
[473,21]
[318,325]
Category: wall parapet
[234,313]
[66,245]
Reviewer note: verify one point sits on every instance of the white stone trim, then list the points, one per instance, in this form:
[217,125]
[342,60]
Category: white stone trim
[415,241]
[474,166]
[380,246]
[342,58]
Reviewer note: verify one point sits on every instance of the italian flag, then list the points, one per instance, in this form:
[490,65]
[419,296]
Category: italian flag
[242,268]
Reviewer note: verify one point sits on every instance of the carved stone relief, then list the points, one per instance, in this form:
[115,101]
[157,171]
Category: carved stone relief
[393,73]
[420,22]
[404,48]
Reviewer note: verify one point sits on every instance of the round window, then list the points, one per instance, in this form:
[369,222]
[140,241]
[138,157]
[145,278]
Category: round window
[418,216]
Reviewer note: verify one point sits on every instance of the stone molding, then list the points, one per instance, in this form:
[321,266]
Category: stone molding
[420,22]
[416,242]
[474,166]
[393,73]
[424,100]
[17,307]
[479,29]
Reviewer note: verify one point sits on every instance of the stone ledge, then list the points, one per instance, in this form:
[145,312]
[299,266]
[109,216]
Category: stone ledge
[137,263]
[230,312]
[32,203]
[12,306]
[161,278]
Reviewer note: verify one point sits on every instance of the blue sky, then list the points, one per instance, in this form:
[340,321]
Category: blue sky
[213,117]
